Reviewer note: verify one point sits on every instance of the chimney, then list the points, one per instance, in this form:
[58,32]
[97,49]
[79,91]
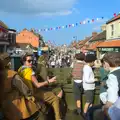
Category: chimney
[87,37]
[103,27]
[94,34]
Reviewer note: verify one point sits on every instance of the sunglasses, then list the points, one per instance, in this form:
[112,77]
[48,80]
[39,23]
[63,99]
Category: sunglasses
[29,61]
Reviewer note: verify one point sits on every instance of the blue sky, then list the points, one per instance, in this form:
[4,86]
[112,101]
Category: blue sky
[39,14]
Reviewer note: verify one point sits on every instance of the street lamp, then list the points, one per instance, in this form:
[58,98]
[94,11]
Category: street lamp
[75,37]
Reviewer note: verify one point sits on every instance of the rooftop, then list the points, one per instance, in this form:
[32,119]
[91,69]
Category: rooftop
[113,19]
[111,43]
[94,45]
[2,24]
[101,36]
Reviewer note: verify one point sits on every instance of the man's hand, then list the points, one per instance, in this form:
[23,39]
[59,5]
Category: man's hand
[52,80]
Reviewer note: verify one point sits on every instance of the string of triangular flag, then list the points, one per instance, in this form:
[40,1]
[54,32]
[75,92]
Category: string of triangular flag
[65,26]
[72,25]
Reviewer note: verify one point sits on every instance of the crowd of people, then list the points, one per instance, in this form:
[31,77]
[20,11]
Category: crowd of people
[60,61]
[84,80]
[25,92]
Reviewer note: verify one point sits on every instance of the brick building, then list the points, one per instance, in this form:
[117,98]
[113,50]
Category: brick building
[26,36]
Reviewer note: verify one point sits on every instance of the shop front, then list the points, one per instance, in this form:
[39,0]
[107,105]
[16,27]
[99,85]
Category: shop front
[108,46]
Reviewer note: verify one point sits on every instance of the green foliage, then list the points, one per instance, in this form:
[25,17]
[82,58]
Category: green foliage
[63,75]
[42,43]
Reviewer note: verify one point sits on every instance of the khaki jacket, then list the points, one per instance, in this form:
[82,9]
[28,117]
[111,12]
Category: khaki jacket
[15,106]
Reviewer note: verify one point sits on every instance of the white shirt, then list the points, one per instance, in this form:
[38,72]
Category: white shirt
[111,94]
[53,63]
[88,78]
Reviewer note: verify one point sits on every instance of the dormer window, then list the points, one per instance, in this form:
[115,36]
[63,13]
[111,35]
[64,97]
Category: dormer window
[112,30]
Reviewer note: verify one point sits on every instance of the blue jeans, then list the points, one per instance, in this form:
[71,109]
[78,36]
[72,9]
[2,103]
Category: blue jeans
[96,113]
[114,113]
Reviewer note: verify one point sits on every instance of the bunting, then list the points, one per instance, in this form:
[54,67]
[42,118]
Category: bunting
[69,25]
[89,21]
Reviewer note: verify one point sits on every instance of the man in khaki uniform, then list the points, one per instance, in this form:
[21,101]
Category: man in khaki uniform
[14,105]
[42,73]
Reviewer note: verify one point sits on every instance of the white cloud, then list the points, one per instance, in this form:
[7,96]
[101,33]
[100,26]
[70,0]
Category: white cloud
[67,12]
[38,7]
[96,28]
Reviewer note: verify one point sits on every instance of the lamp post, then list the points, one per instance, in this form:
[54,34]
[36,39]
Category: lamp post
[75,37]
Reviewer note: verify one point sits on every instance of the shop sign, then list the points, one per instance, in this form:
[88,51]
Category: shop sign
[107,49]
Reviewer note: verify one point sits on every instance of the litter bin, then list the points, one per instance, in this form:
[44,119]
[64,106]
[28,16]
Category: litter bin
[15,62]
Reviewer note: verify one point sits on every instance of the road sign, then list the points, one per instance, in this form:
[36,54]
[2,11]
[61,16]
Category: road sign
[39,52]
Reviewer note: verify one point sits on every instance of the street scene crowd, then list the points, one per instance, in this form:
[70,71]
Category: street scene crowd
[27,91]
[42,80]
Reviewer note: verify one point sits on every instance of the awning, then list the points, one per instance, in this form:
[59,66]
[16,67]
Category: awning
[110,43]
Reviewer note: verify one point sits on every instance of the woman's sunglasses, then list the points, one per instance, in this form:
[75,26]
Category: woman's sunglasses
[29,61]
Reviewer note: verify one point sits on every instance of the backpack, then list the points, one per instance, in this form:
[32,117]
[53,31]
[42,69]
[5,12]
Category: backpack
[18,83]
[19,103]
[77,72]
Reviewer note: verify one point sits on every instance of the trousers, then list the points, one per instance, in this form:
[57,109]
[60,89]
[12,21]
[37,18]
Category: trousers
[114,113]
[50,98]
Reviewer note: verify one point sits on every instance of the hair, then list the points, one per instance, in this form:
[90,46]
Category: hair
[80,56]
[102,61]
[44,52]
[90,58]
[23,58]
[112,58]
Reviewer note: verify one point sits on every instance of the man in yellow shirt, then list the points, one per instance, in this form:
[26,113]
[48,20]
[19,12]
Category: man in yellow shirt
[31,81]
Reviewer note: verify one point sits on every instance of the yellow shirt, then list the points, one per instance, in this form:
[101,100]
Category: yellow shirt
[26,73]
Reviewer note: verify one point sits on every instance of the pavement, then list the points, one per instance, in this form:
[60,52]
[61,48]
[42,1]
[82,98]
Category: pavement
[71,116]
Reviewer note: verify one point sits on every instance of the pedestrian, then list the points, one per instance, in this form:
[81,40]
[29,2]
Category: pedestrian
[88,82]
[26,72]
[109,107]
[77,74]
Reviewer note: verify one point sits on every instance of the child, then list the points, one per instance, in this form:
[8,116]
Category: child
[78,77]
[88,82]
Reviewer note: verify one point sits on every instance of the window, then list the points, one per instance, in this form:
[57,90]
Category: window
[119,29]
[112,30]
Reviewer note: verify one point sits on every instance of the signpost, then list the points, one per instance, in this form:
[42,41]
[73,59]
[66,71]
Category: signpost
[39,52]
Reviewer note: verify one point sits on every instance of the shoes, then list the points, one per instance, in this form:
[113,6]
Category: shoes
[84,115]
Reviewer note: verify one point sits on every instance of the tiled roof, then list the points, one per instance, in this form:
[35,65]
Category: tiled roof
[82,42]
[84,47]
[94,45]
[101,36]
[113,19]
[27,37]
[110,43]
